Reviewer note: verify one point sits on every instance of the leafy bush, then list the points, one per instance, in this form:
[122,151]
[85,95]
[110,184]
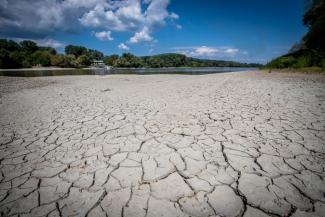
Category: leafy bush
[42,58]
[299,59]
[282,62]
[128,60]
[82,61]
[110,60]
[26,64]
[302,62]
[322,63]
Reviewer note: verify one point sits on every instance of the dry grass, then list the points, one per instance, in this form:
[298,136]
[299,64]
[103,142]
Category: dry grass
[306,70]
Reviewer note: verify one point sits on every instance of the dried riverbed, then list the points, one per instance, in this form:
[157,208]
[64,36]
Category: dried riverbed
[235,144]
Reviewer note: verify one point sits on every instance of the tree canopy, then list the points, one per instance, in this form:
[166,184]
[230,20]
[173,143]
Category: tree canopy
[128,60]
[28,53]
[75,50]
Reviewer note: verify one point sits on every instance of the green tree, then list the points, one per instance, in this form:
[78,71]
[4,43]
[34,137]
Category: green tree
[42,58]
[110,60]
[129,60]
[64,61]
[17,59]
[95,55]
[82,61]
[9,45]
[29,46]
[69,61]
[4,59]
[75,50]
[51,50]
[57,60]
[155,62]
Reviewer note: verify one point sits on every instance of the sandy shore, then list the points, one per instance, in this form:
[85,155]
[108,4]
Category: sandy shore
[235,144]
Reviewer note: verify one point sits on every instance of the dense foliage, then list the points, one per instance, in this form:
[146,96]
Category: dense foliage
[169,60]
[299,59]
[314,19]
[310,51]
[28,53]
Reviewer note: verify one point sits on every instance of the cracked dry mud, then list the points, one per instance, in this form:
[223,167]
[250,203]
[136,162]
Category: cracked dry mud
[237,144]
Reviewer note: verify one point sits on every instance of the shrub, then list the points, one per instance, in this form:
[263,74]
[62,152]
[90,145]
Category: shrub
[282,62]
[82,61]
[303,61]
[26,64]
[41,57]
[299,59]
[322,63]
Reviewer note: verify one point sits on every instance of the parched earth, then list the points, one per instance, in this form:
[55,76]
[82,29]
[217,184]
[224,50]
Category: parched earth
[246,144]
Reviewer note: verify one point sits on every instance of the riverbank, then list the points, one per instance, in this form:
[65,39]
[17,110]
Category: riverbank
[306,70]
[36,69]
[49,71]
[229,144]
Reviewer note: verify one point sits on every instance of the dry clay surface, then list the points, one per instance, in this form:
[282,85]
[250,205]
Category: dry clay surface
[236,144]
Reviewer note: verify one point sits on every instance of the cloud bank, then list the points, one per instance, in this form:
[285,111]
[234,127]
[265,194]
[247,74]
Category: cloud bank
[104,36]
[141,36]
[43,18]
[122,46]
[209,52]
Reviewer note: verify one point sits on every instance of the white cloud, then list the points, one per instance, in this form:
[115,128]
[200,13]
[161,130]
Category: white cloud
[122,46]
[156,13]
[50,43]
[178,26]
[104,36]
[208,52]
[142,36]
[231,51]
[204,51]
[173,16]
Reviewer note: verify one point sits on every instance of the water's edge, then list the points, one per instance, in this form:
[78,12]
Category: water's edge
[102,71]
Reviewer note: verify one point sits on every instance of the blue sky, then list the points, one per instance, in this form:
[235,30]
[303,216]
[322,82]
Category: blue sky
[245,31]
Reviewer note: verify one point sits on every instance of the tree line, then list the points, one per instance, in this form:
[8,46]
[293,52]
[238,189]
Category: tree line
[310,51]
[26,54]
[128,60]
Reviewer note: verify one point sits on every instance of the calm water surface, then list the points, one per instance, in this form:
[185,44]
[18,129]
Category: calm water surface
[102,71]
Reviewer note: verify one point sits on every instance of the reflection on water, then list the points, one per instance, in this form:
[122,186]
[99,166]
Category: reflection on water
[56,72]
[197,70]
[103,71]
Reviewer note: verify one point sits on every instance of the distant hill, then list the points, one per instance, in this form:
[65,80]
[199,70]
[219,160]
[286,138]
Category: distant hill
[180,60]
[175,60]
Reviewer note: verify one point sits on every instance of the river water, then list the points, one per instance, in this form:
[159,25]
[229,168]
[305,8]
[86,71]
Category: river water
[102,71]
